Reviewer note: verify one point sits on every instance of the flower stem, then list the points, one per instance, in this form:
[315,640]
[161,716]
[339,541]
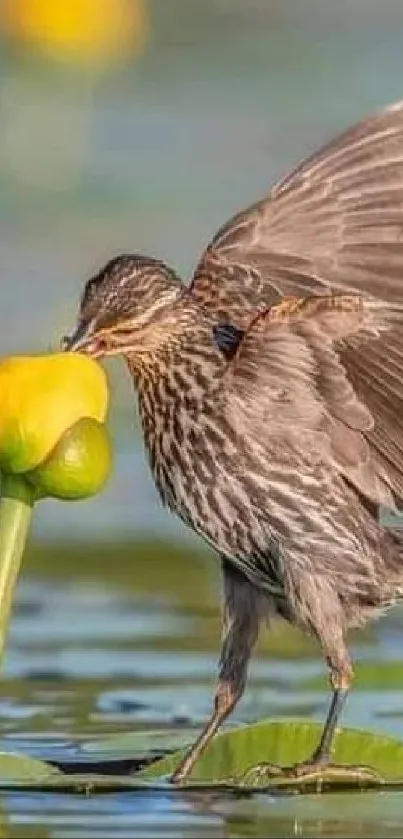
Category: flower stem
[17,501]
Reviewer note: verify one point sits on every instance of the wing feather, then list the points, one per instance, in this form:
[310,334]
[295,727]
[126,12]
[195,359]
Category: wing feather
[334,225]
[287,376]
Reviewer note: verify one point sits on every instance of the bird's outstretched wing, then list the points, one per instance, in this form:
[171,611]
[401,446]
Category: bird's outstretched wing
[334,225]
[287,382]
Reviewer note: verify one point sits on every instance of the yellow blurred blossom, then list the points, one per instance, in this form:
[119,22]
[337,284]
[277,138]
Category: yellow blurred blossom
[85,32]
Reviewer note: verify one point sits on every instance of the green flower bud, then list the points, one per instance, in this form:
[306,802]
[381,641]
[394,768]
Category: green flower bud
[78,466]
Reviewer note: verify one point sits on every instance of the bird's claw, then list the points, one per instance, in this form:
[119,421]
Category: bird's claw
[310,773]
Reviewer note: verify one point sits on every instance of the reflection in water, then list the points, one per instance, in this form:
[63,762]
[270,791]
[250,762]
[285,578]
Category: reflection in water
[204,815]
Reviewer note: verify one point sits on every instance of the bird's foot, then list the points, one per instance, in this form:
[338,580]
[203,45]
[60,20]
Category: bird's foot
[261,774]
[310,773]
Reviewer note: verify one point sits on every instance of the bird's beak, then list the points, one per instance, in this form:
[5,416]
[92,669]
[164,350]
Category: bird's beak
[84,340]
[77,340]
[98,342]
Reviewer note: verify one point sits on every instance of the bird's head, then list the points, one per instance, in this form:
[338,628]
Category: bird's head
[122,308]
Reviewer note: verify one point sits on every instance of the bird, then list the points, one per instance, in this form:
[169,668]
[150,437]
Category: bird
[270,393]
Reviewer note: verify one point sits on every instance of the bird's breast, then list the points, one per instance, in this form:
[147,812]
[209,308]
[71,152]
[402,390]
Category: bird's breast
[189,454]
[199,467]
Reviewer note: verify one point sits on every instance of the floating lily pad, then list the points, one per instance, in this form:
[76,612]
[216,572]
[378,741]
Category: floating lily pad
[15,767]
[284,743]
[83,783]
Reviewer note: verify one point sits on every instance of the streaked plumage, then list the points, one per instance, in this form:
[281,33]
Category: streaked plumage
[271,397]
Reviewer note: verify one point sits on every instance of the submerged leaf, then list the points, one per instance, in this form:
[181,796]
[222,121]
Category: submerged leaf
[139,744]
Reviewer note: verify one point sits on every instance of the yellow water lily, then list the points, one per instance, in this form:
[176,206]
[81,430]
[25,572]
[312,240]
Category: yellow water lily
[52,409]
[53,442]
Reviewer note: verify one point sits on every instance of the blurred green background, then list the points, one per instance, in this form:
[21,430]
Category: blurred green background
[142,125]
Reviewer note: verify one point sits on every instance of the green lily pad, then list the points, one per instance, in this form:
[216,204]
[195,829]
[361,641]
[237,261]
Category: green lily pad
[284,743]
[15,767]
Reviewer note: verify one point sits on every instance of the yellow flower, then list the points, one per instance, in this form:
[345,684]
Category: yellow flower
[52,409]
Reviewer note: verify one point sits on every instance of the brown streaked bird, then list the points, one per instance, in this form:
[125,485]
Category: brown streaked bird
[271,399]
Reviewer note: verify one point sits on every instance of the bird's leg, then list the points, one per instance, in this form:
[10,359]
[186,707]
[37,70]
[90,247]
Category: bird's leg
[224,702]
[340,683]
[319,767]
[244,607]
